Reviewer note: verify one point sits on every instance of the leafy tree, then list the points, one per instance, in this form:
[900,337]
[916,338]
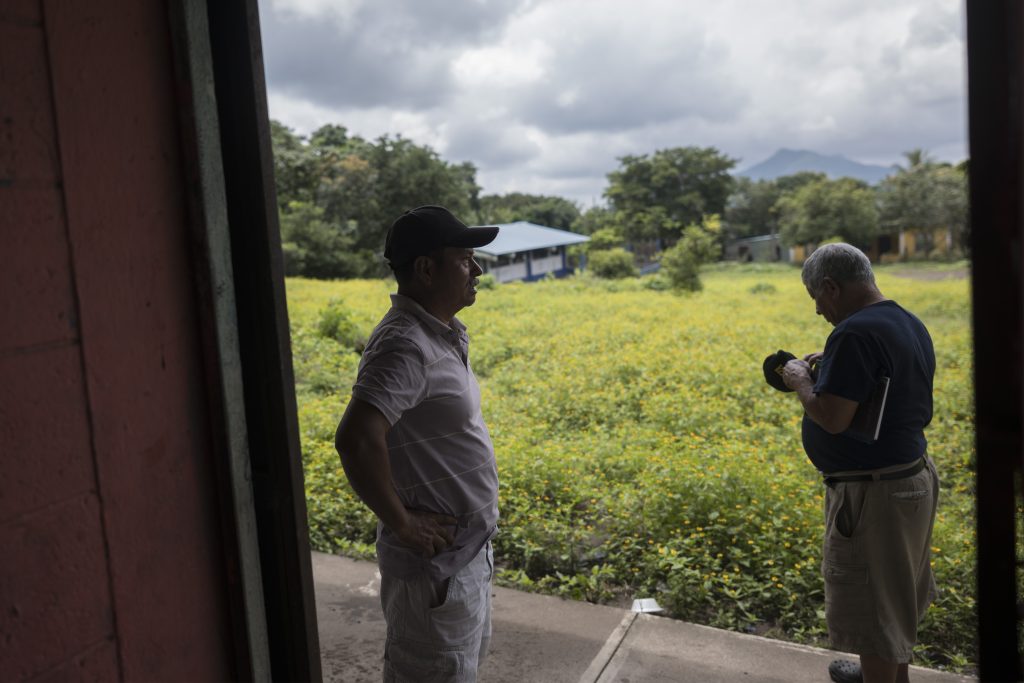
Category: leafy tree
[794,181]
[822,209]
[702,239]
[556,212]
[604,239]
[657,195]
[595,218]
[601,224]
[612,263]
[680,263]
[346,181]
[680,268]
[750,210]
[464,177]
[316,248]
[409,175]
[338,194]
[295,170]
[752,207]
[925,195]
[347,191]
[329,137]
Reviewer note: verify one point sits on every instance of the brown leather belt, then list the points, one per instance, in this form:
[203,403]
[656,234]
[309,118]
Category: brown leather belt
[831,480]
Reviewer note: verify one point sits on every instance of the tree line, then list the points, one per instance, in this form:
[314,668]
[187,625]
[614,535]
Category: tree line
[921,194]
[338,193]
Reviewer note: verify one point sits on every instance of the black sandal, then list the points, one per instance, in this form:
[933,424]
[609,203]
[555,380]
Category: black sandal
[845,671]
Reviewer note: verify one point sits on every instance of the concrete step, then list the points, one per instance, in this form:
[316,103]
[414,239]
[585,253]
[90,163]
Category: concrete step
[546,639]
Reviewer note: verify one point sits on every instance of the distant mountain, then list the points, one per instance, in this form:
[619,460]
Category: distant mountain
[790,161]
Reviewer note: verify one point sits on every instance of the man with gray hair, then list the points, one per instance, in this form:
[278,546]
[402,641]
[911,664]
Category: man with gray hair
[867,399]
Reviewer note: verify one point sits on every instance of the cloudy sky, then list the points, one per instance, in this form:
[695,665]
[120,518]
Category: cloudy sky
[543,96]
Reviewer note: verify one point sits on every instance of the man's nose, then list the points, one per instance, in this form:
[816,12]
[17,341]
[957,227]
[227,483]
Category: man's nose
[476,269]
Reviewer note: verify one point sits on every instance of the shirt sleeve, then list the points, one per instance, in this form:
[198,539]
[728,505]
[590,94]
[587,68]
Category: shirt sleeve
[847,368]
[392,378]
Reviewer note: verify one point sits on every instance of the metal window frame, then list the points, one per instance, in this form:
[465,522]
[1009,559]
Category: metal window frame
[995,67]
[232,201]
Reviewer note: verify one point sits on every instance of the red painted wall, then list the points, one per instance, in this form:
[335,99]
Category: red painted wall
[111,564]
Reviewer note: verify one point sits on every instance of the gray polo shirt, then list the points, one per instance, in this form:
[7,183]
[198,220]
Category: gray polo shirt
[415,370]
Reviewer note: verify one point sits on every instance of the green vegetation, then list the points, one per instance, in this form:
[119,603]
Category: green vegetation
[612,263]
[554,212]
[336,323]
[338,194]
[655,196]
[923,195]
[640,452]
[825,209]
[680,263]
[926,195]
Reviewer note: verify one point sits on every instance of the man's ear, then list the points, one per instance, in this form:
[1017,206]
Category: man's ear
[423,269]
[830,287]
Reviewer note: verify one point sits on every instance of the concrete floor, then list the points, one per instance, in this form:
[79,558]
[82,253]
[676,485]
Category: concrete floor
[543,639]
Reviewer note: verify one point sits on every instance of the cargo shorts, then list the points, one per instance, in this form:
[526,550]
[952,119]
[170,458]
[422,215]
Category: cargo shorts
[877,562]
[438,630]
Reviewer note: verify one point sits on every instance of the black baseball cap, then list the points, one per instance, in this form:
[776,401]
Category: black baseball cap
[774,364]
[772,368]
[419,231]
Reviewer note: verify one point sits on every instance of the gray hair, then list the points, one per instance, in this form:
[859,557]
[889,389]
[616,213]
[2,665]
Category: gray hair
[842,262]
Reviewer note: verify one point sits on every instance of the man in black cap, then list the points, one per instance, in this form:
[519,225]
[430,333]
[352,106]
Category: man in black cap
[415,449]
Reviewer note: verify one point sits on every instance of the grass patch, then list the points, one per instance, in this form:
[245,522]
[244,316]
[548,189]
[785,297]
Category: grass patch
[640,451]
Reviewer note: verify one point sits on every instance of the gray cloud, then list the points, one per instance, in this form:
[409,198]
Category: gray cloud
[935,27]
[489,144]
[390,53]
[544,96]
[606,83]
[307,59]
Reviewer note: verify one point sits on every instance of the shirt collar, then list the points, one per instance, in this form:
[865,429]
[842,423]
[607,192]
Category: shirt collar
[410,305]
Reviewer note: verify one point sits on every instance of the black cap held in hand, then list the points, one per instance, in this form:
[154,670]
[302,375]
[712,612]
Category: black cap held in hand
[419,231]
[772,367]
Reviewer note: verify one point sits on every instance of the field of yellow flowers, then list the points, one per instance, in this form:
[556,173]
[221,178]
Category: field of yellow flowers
[641,453]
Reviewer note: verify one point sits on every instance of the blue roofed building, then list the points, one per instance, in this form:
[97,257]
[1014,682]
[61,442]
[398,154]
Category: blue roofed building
[526,251]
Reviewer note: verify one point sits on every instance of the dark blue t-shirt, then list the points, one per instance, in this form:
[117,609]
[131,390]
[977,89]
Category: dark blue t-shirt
[879,340]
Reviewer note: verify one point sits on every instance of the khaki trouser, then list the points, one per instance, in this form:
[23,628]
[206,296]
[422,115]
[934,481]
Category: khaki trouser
[877,562]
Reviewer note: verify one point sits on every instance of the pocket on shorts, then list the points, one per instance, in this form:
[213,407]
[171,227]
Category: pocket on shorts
[406,661]
[840,555]
[449,620]
[441,592]
[848,602]
[911,496]
[849,574]
[843,562]
[849,510]
[911,510]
